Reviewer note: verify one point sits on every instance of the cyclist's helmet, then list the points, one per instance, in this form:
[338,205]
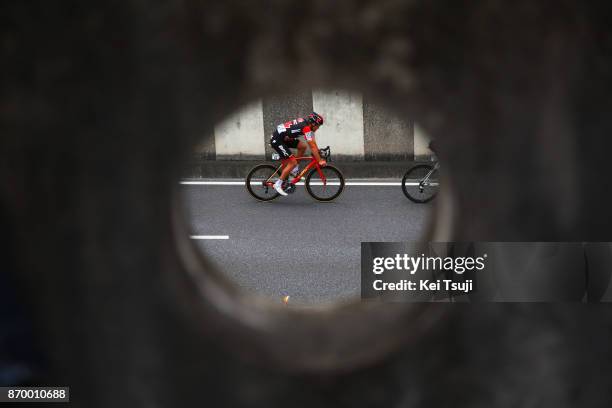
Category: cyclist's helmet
[315,119]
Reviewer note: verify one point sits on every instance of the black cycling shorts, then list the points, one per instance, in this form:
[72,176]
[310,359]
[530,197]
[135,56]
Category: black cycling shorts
[282,146]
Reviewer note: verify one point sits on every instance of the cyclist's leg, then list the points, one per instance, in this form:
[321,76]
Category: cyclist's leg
[278,144]
[280,185]
[290,163]
[287,159]
[274,142]
[301,148]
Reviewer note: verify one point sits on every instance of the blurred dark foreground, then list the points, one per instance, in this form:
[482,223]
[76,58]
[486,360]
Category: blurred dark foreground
[101,102]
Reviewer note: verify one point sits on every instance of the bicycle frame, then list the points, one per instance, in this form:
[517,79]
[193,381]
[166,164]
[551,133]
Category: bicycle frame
[296,179]
[426,178]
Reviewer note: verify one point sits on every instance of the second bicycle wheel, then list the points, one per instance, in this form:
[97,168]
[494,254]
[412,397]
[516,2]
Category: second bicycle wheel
[257,182]
[417,186]
[327,188]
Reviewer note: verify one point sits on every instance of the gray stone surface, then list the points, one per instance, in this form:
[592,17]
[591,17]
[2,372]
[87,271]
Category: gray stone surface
[386,136]
[324,256]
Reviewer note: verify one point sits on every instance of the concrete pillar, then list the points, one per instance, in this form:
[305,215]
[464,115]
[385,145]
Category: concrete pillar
[386,136]
[239,135]
[343,129]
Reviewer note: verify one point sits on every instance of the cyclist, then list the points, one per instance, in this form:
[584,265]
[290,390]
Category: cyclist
[286,136]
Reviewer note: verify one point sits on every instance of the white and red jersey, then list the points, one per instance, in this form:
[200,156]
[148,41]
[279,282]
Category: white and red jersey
[296,128]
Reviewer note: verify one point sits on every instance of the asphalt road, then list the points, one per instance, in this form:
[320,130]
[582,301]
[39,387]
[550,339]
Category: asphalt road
[297,246]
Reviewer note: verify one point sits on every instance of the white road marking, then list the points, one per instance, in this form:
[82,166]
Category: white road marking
[373,183]
[209,236]
[214,183]
[348,183]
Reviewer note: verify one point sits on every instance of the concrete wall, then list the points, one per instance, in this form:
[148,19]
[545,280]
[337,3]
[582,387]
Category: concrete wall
[355,127]
[386,136]
[343,129]
[239,136]
[421,142]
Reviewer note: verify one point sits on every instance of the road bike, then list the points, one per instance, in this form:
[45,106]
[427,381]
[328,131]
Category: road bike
[322,183]
[421,183]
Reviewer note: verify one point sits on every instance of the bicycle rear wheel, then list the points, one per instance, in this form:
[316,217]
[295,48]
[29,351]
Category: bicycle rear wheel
[258,182]
[416,188]
[327,188]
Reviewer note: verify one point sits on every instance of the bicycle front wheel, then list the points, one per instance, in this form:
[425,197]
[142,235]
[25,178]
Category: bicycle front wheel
[259,182]
[325,186]
[421,183]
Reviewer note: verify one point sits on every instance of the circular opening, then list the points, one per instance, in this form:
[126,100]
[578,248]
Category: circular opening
[304,249]
[289,268]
